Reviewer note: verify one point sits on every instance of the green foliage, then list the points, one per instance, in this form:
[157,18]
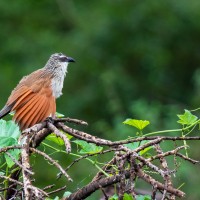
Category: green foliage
[143,197]
[134,145]
[139,124]
[9,134]
[187,118]
[88,148]
[128,197]
[59,115]
[66,194]
[114,197]
[9,129]
[52,137]
[152,47]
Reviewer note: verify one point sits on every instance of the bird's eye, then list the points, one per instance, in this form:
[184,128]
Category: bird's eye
[62,58]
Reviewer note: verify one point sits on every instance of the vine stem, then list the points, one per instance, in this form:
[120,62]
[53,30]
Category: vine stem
[172,130]
[76,155]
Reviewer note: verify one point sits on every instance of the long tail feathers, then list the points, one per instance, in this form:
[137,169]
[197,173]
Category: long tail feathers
[5,110]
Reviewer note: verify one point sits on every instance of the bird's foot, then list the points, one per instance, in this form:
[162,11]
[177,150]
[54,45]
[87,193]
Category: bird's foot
[50,120]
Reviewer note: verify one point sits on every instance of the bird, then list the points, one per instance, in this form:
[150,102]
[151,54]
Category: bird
[33,100]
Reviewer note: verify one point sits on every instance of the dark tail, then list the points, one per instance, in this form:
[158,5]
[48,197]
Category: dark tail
[5,110]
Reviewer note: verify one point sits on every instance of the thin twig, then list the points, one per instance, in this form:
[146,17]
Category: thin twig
[83,157]
[84,136]
[18,163]
[188,159]
[11,180]
[52,161]
[57,190]
[173,152]
[49,187]
[70,120]
[5,149]
[160,186]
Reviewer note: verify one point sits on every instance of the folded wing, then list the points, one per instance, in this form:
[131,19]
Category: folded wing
[32,101]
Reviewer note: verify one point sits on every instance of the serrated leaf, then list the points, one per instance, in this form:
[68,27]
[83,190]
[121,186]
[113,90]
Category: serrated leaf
[9,129]
[7,141]
[139,124]
[127,197]
[88,148]
[143,197]
[187,118]
[9,134]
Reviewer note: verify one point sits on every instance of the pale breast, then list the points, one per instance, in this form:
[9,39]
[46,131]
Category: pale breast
[58,80]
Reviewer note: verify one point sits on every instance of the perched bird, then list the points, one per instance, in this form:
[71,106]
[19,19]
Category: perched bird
[33,100]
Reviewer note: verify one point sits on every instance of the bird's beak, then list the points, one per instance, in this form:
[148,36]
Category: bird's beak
[69,59]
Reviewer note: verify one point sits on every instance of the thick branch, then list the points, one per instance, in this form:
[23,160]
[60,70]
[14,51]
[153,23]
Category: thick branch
[95,185]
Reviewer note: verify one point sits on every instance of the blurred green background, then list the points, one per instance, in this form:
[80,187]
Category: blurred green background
[134,59]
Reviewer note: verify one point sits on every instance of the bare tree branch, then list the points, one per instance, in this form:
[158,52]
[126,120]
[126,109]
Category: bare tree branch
[123,169]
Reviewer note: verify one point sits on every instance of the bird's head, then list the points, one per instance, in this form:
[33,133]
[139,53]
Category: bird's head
[59,57]
[58,61]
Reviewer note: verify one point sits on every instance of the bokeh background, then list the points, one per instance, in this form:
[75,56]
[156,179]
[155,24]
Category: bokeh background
[134,59]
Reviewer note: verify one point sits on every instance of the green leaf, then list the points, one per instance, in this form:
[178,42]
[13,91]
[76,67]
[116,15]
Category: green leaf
[9,129]
[7,141]
[2,173]
[135,145]
[15,153]
[187,118]
[59,115]
[132,146]
[12,113]
[56,198]
[88,148]
[139,124]
[144,151]
[67,194]
[143,197]
[52,137]
[127,197]
[114,197]
[9,134]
